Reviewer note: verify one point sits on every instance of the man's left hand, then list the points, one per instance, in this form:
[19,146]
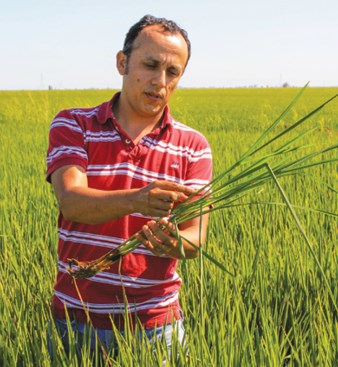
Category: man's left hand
[159,238]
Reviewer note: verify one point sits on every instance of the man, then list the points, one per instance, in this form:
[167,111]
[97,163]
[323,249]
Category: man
[114,169]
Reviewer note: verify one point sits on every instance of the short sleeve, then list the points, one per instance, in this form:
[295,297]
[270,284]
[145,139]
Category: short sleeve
[66,143]
[200,164]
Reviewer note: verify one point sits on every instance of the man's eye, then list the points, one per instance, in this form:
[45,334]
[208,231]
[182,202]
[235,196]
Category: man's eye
[151,66]
[173,72]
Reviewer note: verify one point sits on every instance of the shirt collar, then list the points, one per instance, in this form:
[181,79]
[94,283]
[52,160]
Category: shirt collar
[105,113]
[105,110]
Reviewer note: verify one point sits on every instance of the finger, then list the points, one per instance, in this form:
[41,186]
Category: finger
[169,197]
[166,202]
[183,189]
[142,239]
[159,208]
[179,196]
[161,237]
[154,244]
[148,244]
[162,198]
[161,242]
[171,226]
[150,236]
[173,186]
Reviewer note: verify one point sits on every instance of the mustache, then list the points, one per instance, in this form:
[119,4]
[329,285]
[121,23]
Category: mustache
[155,93]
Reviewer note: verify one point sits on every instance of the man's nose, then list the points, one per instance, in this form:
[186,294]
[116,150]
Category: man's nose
[160,78]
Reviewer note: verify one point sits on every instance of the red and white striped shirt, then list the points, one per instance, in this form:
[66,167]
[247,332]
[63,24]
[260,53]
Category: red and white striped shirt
[141,282]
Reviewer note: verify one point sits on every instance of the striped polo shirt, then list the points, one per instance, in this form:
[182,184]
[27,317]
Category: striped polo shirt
[141,283]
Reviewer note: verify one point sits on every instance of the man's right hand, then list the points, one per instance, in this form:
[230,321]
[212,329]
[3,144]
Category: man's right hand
[158,198]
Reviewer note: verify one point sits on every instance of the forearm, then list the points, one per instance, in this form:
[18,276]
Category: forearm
[188,236]
[91,206]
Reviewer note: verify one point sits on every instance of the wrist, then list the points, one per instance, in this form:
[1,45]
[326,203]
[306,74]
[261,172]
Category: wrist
[132,201]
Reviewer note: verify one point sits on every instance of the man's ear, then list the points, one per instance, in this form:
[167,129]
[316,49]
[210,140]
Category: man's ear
[121,63]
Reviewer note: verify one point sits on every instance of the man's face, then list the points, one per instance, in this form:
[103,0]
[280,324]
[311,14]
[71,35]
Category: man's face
[153,70]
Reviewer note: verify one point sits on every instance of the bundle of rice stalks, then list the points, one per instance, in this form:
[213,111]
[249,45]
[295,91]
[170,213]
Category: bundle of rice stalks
[268,159]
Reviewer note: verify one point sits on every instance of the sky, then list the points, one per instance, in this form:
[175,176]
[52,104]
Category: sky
[72,44]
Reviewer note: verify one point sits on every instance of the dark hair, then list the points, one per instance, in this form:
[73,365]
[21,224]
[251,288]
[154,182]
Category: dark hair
[146,21]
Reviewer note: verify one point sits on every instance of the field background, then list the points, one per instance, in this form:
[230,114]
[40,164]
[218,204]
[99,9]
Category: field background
[275,310]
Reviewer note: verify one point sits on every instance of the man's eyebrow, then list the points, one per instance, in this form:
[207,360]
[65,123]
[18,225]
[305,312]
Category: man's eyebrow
[152,59]
[157,62]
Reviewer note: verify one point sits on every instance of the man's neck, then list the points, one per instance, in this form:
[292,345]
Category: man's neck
[134,125]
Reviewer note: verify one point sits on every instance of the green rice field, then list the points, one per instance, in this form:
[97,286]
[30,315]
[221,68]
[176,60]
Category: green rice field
[278,307]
